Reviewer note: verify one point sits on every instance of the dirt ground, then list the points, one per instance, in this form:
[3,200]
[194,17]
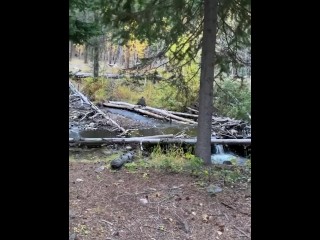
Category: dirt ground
[151,204]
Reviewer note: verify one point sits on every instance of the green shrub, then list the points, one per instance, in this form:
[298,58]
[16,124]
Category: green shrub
[233,99]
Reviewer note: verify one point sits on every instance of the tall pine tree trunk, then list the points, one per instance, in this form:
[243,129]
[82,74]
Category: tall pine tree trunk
[121,56]
[96,49]
[110,54]
[127,56]
[86,53]
[70,51]
[96,60]
[203,145]
[117,54]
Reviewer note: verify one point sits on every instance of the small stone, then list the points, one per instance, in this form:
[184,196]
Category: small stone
[205,218]
[99,169]
[72,236]
[107,153]
[143,201]
[79,180]
[219,232]
[71,214]
[227,163]
[212,189]
[193,213]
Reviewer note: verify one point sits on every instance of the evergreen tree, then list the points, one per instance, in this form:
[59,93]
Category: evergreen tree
[221,29]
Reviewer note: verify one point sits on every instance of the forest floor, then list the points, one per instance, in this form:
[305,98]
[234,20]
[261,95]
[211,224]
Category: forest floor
[146,203]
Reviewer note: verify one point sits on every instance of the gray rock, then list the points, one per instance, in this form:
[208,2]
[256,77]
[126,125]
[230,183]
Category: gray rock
[212,189]
[99,169]
[71,214]
[107,152]
[125,158]
[72,236]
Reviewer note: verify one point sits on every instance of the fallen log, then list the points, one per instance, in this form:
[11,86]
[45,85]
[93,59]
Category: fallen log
[169,115]
[194,116]
[124,104]
[164,113]
[192,110]
[156,136]
[112,105]
[97,141]
[136,108]
[125,158]
[74,90]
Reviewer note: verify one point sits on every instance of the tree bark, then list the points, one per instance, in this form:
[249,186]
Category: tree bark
[203,145]
[122,57]
[116,57]
[86,53]
[96,60]
[70,52]
[127,56]
[110,54]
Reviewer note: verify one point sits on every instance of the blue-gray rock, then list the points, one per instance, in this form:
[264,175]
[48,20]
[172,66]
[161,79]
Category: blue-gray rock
[125,158]
[72,236]
[212,189]
[99,169]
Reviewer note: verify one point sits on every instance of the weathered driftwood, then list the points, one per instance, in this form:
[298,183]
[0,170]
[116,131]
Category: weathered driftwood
[164,113]
[85,99]
[134,109]
[97,141]
[156,136]
[192,110]
[138,109]
[189,115]
[169,115]
[111,105]
[75,91]
[124,104]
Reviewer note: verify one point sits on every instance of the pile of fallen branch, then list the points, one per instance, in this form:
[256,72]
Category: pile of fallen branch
[85,100]
[150,111]
[223,127]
